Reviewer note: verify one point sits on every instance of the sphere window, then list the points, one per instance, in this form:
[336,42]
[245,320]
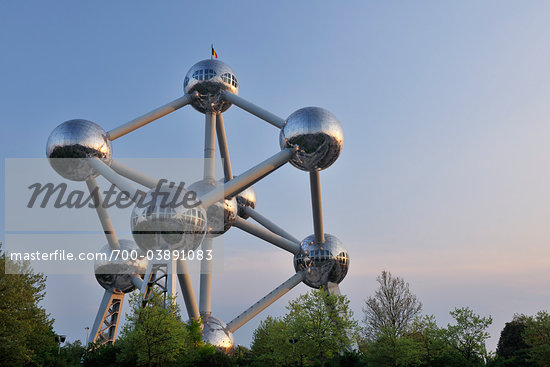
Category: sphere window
[204,74]
[209,74]
[185,82]
[198,75]
[230,79]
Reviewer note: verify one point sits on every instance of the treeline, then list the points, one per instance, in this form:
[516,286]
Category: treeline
[318,330]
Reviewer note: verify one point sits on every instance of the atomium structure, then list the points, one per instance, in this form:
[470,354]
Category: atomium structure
[311,139]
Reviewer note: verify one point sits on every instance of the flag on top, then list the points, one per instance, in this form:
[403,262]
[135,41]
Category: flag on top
[214,53]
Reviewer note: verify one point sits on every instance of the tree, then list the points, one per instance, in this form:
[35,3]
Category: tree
[270,343]
[26,333]
[469,334]
[537,336]
[389,350]
[155,333]
[432,340]
[512,350]
[392,309]
[322,323]
[71,353]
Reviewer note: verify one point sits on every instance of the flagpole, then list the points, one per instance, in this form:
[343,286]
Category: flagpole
[211,51]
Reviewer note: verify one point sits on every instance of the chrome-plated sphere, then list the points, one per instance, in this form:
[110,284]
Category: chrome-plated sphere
[318,135]
[77,139]
[322,263]
[246,198]
[116,275]
[209,78]
[215,332]
[161,221]
[220,217]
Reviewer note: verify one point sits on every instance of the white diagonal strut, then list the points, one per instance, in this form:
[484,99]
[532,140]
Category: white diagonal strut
[259,306]
[134,175]
[253,109]
[224,151]
[252,213]
[102,213]
[149,117]
[264,234]
[248,178]
[110,175]
[187,290]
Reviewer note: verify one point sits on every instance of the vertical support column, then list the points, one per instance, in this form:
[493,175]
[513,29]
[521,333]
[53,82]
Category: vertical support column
[224,151]
[317,206]
[206,265]
[172,278]
[106,322]
[206,279]
[209,144]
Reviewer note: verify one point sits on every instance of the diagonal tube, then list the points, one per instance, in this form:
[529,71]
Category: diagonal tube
[149,117]
[264,234]
[111,176]
[106,223]
[253,109]
[133,174]
[248,178]
[187,290]
[259,306]
[224,151]
[269,224]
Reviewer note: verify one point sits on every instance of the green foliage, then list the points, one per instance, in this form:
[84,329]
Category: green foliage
[26,333]
[512,350]
[270,345]
[537,336]
[322,323]
[155,333]
[468,335]
[106,356]
[71,354]
[394,351]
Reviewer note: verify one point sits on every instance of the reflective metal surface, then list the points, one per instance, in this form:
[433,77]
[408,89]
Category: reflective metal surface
[77,139]
[220,217]
[216,333]
[116,275]
[322,263]
[157,223]
[246,198]
[318,134]
[209,78]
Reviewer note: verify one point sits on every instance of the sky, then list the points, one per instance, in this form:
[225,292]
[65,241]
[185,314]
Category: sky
[443,179]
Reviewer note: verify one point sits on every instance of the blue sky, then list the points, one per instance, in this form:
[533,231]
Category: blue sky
[443,179]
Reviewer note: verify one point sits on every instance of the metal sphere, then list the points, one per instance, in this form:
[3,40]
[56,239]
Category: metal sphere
[215,332]
[209,78]
[116,275]
[246,198]
[322,263]
[161,221]
[77,139]
[220,217]
[318,135]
